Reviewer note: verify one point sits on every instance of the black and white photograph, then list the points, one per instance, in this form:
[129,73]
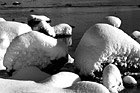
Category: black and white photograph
[69,46]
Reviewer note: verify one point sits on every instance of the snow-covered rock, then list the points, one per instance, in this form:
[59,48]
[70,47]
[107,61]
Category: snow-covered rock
[89,87]
[2,19]
[61,31]
[45,28]
[30,73]
[8,31]
[34,20]
[62,79]
[136,36]
[112,78]
[112,20]
[35,49]
[13,29]
[16,86]
[102,43]
[129,81]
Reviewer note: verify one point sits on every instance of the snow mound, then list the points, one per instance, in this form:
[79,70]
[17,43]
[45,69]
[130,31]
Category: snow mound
[112,78]
[33,48]
[8,31]
[103,43]
[112,20]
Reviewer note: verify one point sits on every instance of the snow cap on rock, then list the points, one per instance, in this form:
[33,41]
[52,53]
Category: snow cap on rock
[8,31]
[136,36]
[2,19]
[38,18]
[89,87]
[45,28]
[129,80]
[103,43]
[112,78]
[63,29]
[34,49]
[112,20]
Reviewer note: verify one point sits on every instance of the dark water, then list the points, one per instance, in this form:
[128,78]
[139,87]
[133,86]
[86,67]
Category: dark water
[82,18]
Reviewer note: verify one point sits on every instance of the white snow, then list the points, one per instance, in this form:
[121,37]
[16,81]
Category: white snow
[2,19]
[129,80]
[112,20]
[8,31]
[103,43]
[112,78]
[33,48]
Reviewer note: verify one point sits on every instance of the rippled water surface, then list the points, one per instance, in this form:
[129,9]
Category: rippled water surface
[82,18]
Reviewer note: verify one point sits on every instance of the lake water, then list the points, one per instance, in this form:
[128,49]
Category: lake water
[82,18]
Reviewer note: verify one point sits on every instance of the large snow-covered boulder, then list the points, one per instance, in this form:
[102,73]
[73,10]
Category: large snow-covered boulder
[63,29]
[8,31]
[103,43]
[41,22]
[136,36]
[112,79]
[35,49]
[129,81]
[2,19]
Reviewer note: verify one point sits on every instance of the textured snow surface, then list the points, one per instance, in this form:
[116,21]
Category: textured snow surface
[112,78]
[103,43]
[33,48]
